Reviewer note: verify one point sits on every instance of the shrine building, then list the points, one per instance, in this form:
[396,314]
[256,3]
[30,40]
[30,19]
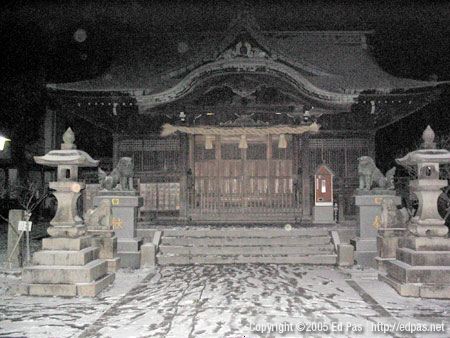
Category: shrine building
[233,126]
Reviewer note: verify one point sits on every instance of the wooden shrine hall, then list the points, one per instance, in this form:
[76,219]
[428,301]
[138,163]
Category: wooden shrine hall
[232,126]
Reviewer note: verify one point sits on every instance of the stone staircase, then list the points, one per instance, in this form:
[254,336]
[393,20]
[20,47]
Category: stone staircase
[246,245]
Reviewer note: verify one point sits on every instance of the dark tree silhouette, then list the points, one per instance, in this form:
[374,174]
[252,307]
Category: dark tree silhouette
[22,94]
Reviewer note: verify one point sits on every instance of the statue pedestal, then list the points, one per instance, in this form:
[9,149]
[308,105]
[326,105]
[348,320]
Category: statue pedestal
[106,241]
[369,205]
[124,211]
[323,214]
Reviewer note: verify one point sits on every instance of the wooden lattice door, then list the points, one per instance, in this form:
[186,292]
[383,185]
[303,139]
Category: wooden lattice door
[236,181]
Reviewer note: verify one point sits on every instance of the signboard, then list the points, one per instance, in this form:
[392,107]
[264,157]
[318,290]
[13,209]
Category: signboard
[117,223]
[323,182]
[25,225]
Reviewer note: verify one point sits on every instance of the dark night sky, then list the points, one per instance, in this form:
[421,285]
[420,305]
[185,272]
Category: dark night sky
[411,39]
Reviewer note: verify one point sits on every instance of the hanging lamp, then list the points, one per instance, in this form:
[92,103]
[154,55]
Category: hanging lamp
[208,142]
[243,142]
[282,142]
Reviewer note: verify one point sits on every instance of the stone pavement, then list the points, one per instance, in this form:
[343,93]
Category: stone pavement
[229,301]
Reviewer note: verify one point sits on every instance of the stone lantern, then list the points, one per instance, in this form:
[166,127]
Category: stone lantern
[422,264]
[66,222]
[427,187]
[68,264]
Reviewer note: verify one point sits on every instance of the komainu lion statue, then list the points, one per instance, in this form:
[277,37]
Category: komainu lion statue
[391,216]
[100,216]
[121,178]
[370,176]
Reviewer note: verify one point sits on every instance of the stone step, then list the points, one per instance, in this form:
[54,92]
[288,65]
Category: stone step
[71,244]
[329,259]
[239,241]
[436,291]
[419,258]
[234,250]
[93,288]
[71,290]
[425,243]
[113,264]
[66,257]
[245,232]
[128,244]
[58,274]
[406,273]
[58,290]
[145,233]
[131,260]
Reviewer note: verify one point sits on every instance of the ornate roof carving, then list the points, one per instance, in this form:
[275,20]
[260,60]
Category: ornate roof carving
[331,68]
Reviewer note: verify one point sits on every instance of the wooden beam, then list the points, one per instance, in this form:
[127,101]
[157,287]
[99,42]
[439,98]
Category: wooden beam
[306,191]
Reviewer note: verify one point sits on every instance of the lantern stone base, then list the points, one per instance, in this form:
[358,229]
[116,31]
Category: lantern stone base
[387,244]
[67,231]
[323,214]
[421,268]
[66,267]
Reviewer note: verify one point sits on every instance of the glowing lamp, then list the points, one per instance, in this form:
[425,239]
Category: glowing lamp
[3,140]
[75,187]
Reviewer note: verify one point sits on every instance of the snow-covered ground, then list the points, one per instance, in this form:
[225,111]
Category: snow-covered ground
[228,301]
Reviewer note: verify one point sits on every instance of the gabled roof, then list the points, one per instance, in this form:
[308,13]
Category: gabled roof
[323,169]
[333,67]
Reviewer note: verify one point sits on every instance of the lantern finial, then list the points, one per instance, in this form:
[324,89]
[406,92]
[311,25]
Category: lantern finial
[69,139]
[428,139]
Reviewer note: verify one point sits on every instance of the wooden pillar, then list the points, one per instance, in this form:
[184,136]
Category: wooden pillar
[244,179]
[296,179]
[306,188]
[116,141]
[217,188]
[184,167]
[270,180]
[371,139]
[190,174]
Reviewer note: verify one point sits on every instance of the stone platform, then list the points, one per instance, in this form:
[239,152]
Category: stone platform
[66,267]
[369,210]
[421,268]
[124,210]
